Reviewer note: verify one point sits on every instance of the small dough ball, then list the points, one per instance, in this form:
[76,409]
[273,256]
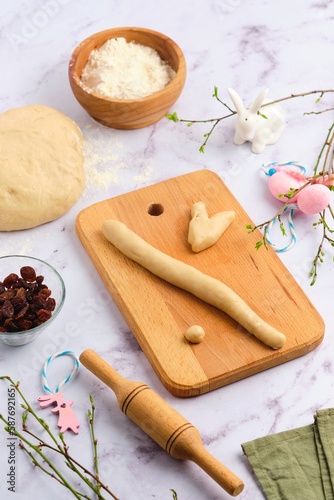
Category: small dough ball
[195,334]
[41,166]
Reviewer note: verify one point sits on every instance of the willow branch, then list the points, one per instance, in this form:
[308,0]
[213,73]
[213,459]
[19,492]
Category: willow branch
[58,448]
[318,112]
[328,143]
[72,462]
[91,418]
[39,451]
[302,94]
[215,121]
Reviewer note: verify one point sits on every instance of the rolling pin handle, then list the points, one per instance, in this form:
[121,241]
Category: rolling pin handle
[95,364]
[231,483]
[188,445]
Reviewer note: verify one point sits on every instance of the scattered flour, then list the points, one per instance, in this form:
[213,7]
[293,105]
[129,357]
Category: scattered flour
[145,176]
[125,70]
[103,159]
[13,244]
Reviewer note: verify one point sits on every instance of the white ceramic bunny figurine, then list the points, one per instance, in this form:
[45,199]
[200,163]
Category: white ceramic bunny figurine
[251,126]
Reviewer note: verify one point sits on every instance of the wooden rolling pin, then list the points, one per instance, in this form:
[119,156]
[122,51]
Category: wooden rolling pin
[161,422]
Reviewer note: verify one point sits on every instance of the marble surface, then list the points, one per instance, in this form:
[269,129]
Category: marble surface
[286,46]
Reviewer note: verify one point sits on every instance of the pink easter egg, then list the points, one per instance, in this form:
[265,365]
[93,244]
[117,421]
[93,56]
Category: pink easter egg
[281,182]
[314,199]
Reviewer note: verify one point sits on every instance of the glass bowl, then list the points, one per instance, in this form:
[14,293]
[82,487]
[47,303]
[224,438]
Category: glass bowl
[12,264]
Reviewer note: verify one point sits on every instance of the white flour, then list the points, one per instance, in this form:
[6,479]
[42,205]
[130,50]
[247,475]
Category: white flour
[125,70]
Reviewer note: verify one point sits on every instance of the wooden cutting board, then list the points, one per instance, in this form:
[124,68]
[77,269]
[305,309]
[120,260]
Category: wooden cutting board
[158,313]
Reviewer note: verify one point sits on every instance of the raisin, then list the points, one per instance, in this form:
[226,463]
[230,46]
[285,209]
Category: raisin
[44,292]
[24,324]
[7,295]
[51,304]
[31,286]
[7,309]
[30,296]
[22,312]
[43,315]
[39,302]
[10,280]
[20,283]
[20,292]
[30,315]
[39,279]
[28,273]
[11,326]
[19,300]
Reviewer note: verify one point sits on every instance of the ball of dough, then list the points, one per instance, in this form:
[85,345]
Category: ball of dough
[41,166]
[195,334]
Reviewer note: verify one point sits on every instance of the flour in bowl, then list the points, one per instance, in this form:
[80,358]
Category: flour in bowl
[125,70]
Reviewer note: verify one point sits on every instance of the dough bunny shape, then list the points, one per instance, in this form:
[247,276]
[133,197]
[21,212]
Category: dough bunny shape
[204,231]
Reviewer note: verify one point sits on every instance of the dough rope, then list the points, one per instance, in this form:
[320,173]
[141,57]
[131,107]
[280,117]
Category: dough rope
[206,288]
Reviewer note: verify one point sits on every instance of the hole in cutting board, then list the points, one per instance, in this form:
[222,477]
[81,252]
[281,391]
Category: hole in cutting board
[155,209]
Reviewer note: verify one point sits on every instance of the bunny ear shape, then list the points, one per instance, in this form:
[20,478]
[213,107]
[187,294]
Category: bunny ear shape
[237,101]
[258,101]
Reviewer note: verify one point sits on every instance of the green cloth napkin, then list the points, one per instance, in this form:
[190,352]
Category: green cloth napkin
[296,464]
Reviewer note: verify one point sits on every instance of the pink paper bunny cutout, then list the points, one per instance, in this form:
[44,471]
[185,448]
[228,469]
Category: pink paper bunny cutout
[67,418]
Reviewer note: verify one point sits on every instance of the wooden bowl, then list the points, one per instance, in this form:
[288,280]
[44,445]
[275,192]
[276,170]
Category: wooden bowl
[128,113]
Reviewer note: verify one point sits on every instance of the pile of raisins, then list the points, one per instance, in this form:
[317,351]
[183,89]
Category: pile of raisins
[25,301]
